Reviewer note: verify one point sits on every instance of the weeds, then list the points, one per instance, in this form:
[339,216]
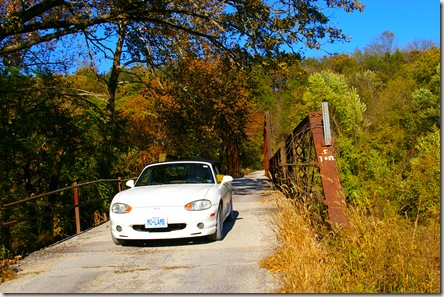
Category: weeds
[387,254]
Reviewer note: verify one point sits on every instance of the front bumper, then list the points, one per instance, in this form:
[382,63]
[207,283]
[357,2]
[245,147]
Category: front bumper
[181,223]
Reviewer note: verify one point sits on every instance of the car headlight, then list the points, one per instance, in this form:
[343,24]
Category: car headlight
[198,205]
[121,208]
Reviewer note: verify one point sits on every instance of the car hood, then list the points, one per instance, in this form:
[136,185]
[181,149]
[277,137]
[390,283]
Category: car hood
[163,195]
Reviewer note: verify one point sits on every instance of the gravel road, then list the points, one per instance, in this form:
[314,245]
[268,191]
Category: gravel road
[91,263]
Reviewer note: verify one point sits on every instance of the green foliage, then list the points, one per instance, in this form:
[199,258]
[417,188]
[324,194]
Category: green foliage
[346,112]
[386,115]
[421,189]
[51,138]
[380,141]
[259,84]
[366,83]
[426,70]
[3,252]
[296,79]
[427,107]
[345,106]
[340,64]
[386,65]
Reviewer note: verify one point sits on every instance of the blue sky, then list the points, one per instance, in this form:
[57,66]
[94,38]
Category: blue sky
[409,20]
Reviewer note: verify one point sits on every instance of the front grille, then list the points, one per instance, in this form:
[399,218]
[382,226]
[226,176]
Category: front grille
[171,227]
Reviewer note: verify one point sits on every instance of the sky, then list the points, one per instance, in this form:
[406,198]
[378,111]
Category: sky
[408,20]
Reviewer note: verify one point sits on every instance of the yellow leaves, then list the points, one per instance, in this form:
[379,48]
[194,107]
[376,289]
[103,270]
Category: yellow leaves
[6,273]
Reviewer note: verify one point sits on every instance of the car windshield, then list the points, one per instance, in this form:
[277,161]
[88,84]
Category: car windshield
[176,173]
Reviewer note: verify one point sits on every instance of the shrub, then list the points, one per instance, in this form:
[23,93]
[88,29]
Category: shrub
[421,199]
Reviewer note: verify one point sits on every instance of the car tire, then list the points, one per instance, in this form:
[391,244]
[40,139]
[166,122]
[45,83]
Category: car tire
[219,234]
[230,214]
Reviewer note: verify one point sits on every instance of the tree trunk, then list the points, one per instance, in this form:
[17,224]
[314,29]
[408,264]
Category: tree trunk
[115,72]
[105,166]
[233,157]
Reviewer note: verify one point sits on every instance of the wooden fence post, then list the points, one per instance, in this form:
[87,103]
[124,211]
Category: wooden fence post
[76,207]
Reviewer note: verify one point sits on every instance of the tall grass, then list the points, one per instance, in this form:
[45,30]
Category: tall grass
[376,255]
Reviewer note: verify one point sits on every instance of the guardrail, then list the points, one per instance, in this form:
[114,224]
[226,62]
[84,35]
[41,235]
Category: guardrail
[75,190]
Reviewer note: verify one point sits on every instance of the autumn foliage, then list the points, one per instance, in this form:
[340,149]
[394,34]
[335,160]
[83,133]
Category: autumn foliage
[385,111]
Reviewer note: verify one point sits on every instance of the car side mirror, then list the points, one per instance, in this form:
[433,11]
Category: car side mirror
[130,183]
[225,179]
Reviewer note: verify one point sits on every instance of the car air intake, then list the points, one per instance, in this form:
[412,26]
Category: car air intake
[171,227]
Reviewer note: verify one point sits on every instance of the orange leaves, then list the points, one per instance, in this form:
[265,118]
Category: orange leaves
[211,89]
[143,128]
[208,105]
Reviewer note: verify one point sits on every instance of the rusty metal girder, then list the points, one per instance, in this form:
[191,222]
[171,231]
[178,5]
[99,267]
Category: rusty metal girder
[334,196]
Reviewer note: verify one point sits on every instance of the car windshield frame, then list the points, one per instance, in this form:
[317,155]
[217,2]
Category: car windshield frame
[177,173]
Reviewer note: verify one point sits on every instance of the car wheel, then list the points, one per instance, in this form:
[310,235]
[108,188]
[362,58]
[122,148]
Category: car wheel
[219,234]
[230,214]
[117,241]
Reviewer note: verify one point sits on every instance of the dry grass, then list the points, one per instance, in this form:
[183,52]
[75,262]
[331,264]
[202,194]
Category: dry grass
[6,272]
[377,255]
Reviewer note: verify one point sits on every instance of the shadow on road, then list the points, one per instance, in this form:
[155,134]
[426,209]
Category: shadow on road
[228,225]
[246,186]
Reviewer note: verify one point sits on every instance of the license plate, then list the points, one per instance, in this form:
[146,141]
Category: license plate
[156,222]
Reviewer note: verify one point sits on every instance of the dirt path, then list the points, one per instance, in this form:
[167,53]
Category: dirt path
[91,263]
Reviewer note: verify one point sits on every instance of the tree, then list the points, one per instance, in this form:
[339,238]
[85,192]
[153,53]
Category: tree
[421,189]
[49,140]
[381,45]
[157,32]
[144,130]
[346,115]
[420,45]
[426,69]
[288,99]
[260,25]
[207,110]
[345,105]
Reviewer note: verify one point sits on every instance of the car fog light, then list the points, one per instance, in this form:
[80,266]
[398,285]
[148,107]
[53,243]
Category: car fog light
[119,228]
[200,225]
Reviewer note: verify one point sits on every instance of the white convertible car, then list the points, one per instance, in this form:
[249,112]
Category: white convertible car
[174,199]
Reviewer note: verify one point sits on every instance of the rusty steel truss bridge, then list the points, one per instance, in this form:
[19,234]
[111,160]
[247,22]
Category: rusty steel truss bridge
[306,165]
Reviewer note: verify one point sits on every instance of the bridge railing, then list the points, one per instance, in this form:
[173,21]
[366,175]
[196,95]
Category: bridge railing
[306,165]
[75,205]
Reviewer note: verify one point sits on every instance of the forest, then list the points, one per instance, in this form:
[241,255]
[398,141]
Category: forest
[176,86]
[385,114]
